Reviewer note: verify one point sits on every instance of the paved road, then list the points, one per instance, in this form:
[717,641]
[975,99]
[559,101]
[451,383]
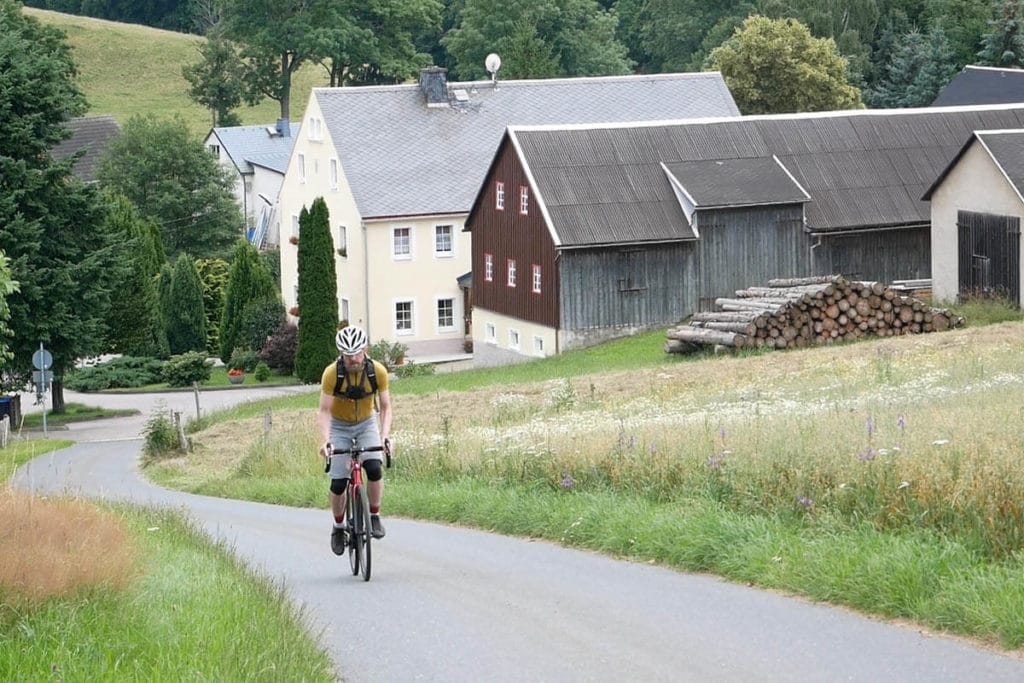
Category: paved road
[452,604]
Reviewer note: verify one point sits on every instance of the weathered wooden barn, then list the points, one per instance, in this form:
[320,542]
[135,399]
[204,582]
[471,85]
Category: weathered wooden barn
[582,233]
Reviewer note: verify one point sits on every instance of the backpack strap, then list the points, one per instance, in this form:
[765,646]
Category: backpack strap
[368,370]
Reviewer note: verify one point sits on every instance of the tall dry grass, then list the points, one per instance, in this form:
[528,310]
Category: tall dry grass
[54,549]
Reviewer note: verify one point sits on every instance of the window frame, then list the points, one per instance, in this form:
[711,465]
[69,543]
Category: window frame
[395,317]
[488,267]
[438,302]
[499,195]
[524,200]
[407,256]
[450,253]
[535,283]
[510,269]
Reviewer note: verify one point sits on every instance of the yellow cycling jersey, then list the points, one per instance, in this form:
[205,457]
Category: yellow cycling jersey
[350,409]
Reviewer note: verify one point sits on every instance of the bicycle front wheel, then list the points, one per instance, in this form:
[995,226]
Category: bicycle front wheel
[365,535]
[355,547]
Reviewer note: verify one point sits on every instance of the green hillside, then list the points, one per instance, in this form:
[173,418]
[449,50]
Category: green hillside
[126,69]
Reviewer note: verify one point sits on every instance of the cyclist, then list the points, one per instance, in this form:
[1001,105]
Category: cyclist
[351,389]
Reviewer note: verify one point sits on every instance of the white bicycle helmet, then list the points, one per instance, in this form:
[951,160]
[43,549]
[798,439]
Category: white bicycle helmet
[351,340]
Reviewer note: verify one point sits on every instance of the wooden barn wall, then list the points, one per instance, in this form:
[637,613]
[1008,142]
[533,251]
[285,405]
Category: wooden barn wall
[627,287]
[881,255]
[741,248]
[508,235]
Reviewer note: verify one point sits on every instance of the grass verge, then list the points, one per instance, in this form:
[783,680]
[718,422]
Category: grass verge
[73,412]
[182,608]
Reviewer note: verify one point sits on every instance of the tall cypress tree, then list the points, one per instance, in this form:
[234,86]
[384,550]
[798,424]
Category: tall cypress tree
[186,330]
[318,303]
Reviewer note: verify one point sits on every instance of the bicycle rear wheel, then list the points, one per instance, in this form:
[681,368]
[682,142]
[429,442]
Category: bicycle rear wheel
[363,519]
[355,548]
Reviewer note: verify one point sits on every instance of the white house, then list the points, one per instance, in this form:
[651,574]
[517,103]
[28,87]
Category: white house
[257,157]
[977,204]
[399,168]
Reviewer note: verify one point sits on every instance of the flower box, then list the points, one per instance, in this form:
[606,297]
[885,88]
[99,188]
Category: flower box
[236,376]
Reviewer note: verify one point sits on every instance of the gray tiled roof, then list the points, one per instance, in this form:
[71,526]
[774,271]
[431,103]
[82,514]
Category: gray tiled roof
[93,134]
[247,145]
[403,158]
[752,181]
[863,169]
[1007,148]
[982,85]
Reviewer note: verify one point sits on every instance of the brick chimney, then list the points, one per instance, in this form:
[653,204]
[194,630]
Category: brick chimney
[434,84]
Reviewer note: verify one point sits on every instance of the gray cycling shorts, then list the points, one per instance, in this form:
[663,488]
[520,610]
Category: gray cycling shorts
[365,433]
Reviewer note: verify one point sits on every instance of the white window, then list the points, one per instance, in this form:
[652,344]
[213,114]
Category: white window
[342,241]
[295,226]
[490,333]
[536,279]
[511,273]
[443,236]
[401,243]
[538,346]
[214,150]
[488,268]
[334,174]
[446,314]
[403,317]
[302,167]
[513,339]
[499,196]
[524,200]
[344,309]
[315,129]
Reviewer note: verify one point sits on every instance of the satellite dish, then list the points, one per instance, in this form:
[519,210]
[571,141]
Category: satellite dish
[492,63]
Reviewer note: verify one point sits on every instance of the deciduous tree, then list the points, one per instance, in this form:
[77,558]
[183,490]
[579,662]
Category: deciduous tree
[776,66]
[578,35]
[174,182]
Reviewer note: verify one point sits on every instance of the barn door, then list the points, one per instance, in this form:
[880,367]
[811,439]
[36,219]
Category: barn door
[989,255]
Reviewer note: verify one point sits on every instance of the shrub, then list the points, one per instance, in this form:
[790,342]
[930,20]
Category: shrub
[184,369]
[279,351]
[413,369]
[391,354]
[122,372]
[262,373]
[243,359]
[161,436]
[259,320]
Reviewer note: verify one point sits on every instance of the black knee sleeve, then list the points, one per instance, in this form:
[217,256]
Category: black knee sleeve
[338,486]
[373,470]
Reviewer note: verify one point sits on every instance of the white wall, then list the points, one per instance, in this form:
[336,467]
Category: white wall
[974,184]
[500,349]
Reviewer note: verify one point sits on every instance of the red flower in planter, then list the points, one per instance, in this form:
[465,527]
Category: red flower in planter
[235,372]
[294,310]
[293,239]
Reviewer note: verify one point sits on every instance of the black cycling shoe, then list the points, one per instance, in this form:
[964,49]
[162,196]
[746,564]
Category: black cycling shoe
[339,536]
[376,528]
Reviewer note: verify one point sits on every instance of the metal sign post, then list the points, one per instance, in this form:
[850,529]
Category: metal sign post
[42,361]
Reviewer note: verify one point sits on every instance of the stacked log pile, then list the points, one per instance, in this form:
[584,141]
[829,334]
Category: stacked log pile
[797,312]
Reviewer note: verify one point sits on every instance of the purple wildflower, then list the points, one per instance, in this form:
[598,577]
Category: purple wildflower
[567,481]
[805,502]
[871,425]
[867,455]
[715,461]
[901,422]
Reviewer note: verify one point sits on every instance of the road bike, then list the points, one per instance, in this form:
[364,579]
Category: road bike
[357,507]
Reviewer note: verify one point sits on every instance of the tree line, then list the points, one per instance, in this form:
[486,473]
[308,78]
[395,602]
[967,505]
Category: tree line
[897,53]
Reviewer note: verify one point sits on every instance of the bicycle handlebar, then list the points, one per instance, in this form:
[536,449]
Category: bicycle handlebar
[356,451]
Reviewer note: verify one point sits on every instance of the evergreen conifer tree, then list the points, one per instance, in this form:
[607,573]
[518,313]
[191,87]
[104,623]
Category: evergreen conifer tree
[318,303]
[1003,45]
[249,281]
[187,324]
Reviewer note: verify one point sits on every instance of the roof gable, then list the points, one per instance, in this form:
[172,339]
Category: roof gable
[259,145]
[403,157]
[862,169]
[92,134]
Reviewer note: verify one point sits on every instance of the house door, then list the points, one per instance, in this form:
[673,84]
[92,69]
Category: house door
[989,255]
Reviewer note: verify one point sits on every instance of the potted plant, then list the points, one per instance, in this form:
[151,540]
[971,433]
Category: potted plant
[236,375]
[294,310]
[294,239]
